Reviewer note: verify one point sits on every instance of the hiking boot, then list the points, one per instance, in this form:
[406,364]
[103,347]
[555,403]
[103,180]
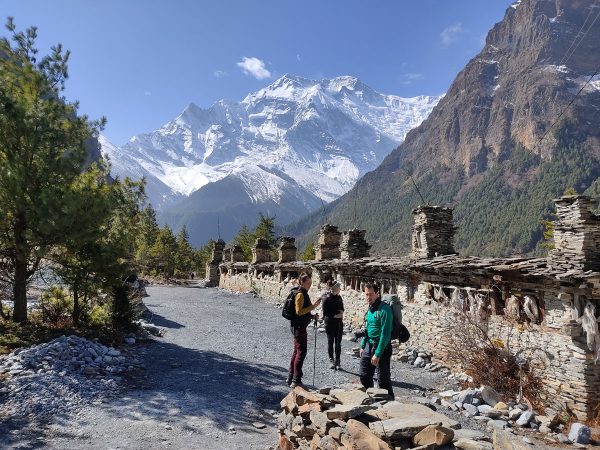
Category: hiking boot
[289,379]
[337,365]
[296,383]
[331,363]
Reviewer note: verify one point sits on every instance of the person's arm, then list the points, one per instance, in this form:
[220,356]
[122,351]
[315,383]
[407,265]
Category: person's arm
[387,322]
[300,311]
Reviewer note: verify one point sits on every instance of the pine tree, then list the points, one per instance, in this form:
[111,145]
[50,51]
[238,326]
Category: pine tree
[42,152]
[266,229]
[309,252]
[245,239]
[146,236]
[184,256]
[162,252]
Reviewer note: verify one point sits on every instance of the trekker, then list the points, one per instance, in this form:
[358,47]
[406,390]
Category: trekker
[333,313]
[376,346]
[299,323]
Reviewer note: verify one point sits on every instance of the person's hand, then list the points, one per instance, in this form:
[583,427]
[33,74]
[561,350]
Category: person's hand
[318,302]
[361,352]
[375,361]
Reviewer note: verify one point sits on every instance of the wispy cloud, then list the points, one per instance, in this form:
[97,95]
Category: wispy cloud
[450,34]
[254,67]
[220,73]
[410,78]
[147,93]
[298,57]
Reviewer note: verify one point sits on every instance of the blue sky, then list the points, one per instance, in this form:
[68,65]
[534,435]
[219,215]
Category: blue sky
[140,62]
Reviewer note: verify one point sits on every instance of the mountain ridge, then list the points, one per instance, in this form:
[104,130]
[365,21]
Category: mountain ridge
[295,142]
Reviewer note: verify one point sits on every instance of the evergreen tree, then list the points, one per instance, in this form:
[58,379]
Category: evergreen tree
[201,257]
[148,231]
[309,252]
[266,230]
[94,257]
[245,239]
[42,152]
[184,256]
[163,251]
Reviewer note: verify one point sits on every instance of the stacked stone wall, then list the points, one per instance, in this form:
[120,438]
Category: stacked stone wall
[571,377]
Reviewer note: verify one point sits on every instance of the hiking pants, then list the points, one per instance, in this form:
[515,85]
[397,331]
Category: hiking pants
[300,350]
[367,370]
[335,331]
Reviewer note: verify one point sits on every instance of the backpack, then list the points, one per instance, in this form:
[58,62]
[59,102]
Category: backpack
[289,305]
[399,331]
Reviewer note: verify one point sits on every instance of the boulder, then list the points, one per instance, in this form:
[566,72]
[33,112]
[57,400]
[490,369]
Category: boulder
[400,428]
[474,435]
[306,409]
[354,397]
[434,434]
[506,441]
[471,409]
[490,396]
[397,410]
[469,444]
[501,406]
[284,443]
[580,433]
[467,395]
[346,412]
[321,422]
[525,418]
[363,438]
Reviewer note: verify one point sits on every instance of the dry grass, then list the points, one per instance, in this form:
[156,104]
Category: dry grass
[488,358]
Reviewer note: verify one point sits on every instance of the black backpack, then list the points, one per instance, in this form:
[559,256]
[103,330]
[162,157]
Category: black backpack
[289,305]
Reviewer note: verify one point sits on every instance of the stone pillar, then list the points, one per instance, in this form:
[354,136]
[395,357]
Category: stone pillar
[354,244]
[212,266]
[287,249]
[328,245]
[236,254]
[576,235]
[433,232]
[261,252]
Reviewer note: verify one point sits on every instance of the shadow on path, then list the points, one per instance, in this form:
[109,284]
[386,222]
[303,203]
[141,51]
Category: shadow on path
[182,385]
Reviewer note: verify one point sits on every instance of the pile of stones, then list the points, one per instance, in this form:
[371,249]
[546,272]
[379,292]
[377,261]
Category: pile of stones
[485,405]
[421,359]
[352,417]
[60,375]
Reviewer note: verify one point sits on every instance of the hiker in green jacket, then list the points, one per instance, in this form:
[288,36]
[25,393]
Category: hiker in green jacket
[376,346]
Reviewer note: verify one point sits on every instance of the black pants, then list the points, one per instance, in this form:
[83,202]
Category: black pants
[335,331]
[367,369]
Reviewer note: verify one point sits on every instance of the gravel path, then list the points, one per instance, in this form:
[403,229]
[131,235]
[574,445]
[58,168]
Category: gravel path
[219,369]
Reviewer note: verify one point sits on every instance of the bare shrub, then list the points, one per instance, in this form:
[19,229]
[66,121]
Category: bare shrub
[484,353]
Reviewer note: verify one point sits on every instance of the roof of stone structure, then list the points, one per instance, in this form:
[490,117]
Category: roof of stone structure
[509,268]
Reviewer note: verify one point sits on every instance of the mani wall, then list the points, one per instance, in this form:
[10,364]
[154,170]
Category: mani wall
[546,307]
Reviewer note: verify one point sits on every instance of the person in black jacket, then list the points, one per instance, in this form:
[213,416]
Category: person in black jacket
[333,313]
[299,324]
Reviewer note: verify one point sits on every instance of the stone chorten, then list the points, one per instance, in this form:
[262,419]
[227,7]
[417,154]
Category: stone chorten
[433,232]
[236,254]
[212,266]
[287,249]
[576,235]
[261,252]
[328,245]
[354,244]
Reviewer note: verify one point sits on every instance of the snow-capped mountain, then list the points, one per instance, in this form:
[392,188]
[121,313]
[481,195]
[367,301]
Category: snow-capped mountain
[285,148]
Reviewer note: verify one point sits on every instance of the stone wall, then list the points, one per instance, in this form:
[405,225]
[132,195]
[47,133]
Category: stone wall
[571,377]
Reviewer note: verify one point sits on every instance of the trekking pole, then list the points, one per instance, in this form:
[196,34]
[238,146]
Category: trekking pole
[315,354]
